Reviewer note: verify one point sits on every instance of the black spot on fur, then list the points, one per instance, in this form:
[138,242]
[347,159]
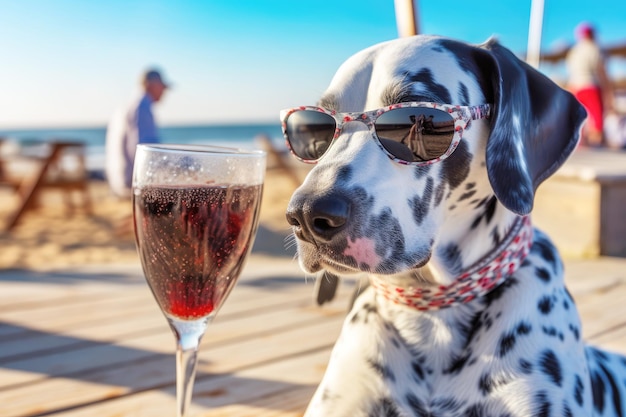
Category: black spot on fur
[418,370]
[344,174]
[543,404]
[425,76]
[615,393]
[464,95]
[439,192]
[500,290]
[417,406]
[421,205]
[550,365]
[543,274]
[395,342]
[597,388]
[487,214]
[495,237]
[599,355]
[523,328]
[469,61]
[477,410]
[545,304]
[553,332]
[507,342]
[579,390]
[469,333]
[445,406]
[455,168]
[483,201]
[567,412]
[544,248]
[485,384]
[382,370]
[364,313]
[575,331]
[525,366]
[384,408]
[451,257]
[420,172]
[488,383]
[466,195]
[459,362]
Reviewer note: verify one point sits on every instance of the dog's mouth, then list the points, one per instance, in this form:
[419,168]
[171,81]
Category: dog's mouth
[360,256]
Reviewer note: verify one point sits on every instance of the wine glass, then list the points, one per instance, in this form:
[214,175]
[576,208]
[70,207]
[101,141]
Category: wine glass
[196,211]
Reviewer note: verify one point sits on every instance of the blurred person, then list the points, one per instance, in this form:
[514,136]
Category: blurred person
[589,82]
[133,125]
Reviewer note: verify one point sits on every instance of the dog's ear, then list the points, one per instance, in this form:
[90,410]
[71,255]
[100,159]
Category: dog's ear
[535,126]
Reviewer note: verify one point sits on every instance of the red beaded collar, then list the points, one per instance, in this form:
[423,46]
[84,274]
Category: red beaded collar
[479,279]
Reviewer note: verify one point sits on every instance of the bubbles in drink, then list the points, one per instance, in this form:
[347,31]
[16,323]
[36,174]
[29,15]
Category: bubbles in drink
[192,243]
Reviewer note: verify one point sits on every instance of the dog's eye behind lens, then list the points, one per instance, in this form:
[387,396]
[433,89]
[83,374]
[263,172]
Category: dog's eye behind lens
[427,133]
[310,133]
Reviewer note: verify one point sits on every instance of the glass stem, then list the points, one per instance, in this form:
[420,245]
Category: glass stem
[188,335]
[186,361]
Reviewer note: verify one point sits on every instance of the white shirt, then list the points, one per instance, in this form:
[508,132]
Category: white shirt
[126,129]
[583,61]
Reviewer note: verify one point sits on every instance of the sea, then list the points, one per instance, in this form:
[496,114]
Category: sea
[233,135]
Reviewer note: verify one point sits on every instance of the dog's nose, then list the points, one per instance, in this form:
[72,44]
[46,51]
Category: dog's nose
[320,218]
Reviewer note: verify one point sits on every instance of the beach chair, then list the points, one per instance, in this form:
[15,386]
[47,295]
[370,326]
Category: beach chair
[6,180]
[64,169]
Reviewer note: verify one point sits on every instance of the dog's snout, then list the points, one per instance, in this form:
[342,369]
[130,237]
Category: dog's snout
[319,219]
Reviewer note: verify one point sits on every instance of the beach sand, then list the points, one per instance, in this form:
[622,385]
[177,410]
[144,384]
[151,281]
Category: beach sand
[52,237]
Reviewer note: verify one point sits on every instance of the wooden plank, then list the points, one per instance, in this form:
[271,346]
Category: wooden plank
[244,392]
[141,319]
[613,219]
[31,290]
[67,316]
[154,371]
[133,346]
[588,191]
[595,165]
[255,327]
[560,203]
[597,311]
[150,321]
[263,356]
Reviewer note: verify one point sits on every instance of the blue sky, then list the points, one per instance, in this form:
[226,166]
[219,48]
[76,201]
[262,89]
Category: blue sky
[71,63]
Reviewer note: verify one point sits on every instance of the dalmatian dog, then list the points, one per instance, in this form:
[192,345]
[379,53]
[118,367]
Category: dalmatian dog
[466,313]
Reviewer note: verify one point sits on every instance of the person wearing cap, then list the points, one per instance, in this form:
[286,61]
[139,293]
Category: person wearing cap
[589,82]
[129,127]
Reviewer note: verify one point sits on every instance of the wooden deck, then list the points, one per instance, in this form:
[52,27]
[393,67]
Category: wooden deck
[91,342]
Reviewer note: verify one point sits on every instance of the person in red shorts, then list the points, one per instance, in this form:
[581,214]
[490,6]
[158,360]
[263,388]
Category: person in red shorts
[588,81]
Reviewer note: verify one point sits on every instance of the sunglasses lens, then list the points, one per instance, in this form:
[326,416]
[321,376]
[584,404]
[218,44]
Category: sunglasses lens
[415,134]
[310,133]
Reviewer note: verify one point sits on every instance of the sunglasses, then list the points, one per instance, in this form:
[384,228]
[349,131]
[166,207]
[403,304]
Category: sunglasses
[413,133]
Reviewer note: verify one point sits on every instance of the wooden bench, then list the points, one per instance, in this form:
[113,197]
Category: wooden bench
[583,206]
[62,168]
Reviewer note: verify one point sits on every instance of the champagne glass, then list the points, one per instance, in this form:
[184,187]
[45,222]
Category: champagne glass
[196,211]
